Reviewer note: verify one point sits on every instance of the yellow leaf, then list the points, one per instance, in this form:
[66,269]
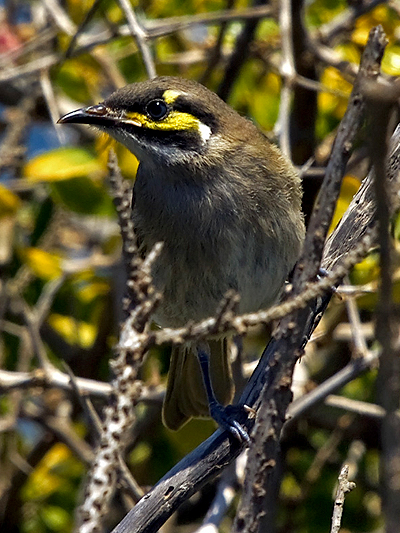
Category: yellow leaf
[88,292]
[62,164]
[380,15]
[141,452]
[43,482]
[78,9]
[367,270]
[391,61]
[290,487]
[348,189]
[9,202]
[73,331]
[126,160]
[361,31]
[44,264]
[331,103]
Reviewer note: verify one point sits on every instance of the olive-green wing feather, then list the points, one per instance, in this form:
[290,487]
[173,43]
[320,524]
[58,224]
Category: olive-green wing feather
[185,396]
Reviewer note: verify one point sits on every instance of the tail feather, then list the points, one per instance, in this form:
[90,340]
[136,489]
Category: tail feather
[185,396]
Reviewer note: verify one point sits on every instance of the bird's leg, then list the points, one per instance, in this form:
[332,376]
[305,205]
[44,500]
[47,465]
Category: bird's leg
[222,415]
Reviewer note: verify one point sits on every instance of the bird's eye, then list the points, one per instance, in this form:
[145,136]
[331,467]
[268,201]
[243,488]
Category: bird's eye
[157,109]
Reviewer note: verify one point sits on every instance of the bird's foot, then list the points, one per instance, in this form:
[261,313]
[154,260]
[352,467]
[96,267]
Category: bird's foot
[227,418]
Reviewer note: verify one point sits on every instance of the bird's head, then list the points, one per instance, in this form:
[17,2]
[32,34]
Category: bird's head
[164,119]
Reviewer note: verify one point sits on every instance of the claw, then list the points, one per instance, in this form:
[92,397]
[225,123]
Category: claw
[226,420]
[251,413]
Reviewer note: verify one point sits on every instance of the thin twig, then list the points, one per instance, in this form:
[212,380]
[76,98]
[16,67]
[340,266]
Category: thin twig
[170,25]
[60,16]
[62,429]
[140,36]
[215,55]
[228,486]
[10,380]
[51,101]
[119,414]
[359,341]
[357,407]
[344,487]
[349,126]
[33,67]
[334,383]
[288,73]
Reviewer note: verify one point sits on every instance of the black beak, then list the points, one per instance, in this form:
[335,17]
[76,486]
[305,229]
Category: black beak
[99,115]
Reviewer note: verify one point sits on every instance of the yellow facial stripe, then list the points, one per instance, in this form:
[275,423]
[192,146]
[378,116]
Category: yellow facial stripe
[174,121]
[170,96]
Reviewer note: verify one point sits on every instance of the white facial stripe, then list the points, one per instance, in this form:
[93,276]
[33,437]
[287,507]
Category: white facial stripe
[205,132]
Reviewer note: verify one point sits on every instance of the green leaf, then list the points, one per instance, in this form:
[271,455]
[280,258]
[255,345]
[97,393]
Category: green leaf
[55,518]
[82,195]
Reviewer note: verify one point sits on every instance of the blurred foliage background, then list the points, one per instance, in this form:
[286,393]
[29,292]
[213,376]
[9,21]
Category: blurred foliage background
[62,279]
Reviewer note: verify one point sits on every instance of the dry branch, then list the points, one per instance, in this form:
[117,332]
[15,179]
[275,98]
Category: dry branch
[292,333]
[381,99]
[344,487]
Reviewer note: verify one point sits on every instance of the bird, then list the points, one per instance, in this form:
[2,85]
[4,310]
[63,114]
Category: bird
[225,203]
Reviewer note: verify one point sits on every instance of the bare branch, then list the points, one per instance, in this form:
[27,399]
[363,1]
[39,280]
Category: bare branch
[33,67]
[288,73]
[276,394]
[323,211]
[140,36]
[381,98]
[357,407]
[344,487]
[52,378]
[353,369]
[119,414]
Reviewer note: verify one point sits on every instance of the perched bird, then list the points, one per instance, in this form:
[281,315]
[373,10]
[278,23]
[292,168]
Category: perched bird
[227,206]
